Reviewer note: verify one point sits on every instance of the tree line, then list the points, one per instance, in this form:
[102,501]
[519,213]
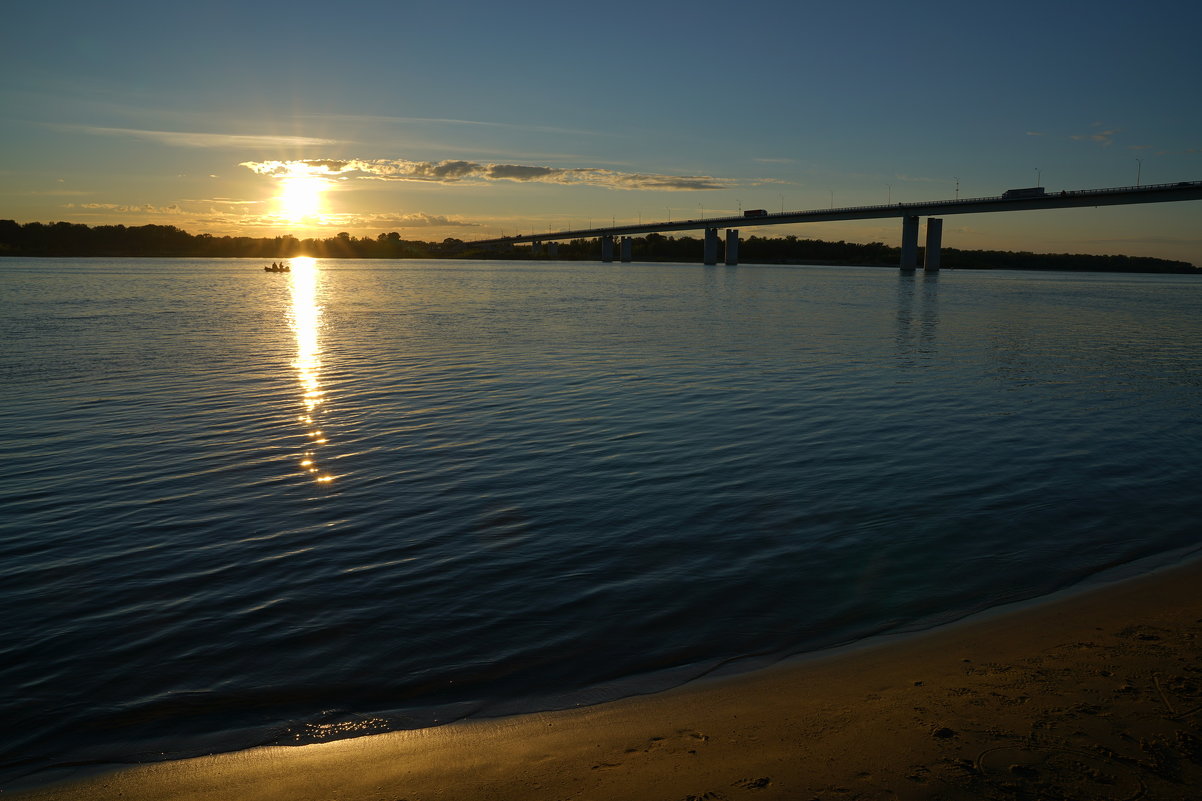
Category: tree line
[74,239]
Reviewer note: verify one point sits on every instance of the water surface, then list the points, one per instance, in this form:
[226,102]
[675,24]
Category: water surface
[246,508]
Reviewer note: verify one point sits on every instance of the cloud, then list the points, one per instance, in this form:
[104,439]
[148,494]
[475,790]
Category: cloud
[225,201]
[451,121]
[416,220]
[919,179]
[1103,138]
[517,172]
[145,208]
[339,222]
[449,172]
[199,139]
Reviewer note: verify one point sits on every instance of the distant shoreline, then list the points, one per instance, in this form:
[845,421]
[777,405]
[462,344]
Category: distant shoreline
[73,240]
[1187,270]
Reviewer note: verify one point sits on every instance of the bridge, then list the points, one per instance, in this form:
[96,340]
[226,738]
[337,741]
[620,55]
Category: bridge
[619,237]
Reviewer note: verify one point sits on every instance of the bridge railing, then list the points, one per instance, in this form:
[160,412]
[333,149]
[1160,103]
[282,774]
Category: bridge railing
[1140,188]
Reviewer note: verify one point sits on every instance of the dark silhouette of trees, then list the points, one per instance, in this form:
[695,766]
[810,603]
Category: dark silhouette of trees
[73,239]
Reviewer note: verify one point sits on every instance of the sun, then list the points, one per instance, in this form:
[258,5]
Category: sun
[301,197]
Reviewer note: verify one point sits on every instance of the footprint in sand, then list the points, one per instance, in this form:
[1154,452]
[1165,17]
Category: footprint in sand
[1073,774]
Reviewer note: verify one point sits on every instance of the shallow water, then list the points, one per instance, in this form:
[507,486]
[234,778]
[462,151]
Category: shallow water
[245,508]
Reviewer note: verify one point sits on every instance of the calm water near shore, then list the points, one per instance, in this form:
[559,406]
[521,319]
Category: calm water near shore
[245,508]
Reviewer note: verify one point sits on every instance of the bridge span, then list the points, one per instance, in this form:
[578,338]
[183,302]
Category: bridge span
[1030,199]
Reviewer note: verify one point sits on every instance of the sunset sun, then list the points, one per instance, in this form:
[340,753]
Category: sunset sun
[300,197]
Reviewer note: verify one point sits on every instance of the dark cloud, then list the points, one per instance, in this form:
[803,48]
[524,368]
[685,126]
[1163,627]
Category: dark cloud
[518,172]
[449,172]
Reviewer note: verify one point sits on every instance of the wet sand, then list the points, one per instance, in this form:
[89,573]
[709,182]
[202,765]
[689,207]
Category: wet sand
[1095,695]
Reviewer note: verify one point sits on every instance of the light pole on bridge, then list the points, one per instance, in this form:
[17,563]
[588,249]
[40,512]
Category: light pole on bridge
[1139,168]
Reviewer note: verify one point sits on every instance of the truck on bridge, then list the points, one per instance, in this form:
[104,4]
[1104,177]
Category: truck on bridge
[1030,191]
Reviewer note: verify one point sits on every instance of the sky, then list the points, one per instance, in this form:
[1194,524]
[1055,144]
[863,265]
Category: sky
[479,119]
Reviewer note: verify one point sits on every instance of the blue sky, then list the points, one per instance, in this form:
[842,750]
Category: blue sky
[472,119]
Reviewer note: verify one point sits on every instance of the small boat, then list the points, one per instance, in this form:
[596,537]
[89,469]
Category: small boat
[278,268]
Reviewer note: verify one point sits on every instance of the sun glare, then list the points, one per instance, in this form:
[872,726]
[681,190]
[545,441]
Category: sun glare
[301,197]
[305,317]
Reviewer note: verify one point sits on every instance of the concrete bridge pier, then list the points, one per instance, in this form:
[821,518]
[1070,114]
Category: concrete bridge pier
[711,246]
[552,250]
[627,244]
[732,247]
[934,244]
[536,249]
[607,248]
[909,244]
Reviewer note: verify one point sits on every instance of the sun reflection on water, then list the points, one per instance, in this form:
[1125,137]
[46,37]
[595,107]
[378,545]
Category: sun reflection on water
[305,317]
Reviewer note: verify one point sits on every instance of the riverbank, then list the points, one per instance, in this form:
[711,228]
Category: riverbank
[1095,695]
[63,239]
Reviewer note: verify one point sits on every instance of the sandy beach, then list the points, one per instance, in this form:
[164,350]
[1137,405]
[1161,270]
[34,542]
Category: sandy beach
[1093,695]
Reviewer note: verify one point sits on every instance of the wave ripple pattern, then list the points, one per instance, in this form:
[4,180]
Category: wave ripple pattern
[245,508]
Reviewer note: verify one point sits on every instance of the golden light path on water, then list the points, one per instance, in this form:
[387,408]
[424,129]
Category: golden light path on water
[305,318]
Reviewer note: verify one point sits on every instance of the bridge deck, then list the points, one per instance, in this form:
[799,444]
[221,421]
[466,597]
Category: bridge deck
[1126,195]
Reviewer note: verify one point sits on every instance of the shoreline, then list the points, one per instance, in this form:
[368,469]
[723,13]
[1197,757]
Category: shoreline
[1193,269]
[1094,692]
